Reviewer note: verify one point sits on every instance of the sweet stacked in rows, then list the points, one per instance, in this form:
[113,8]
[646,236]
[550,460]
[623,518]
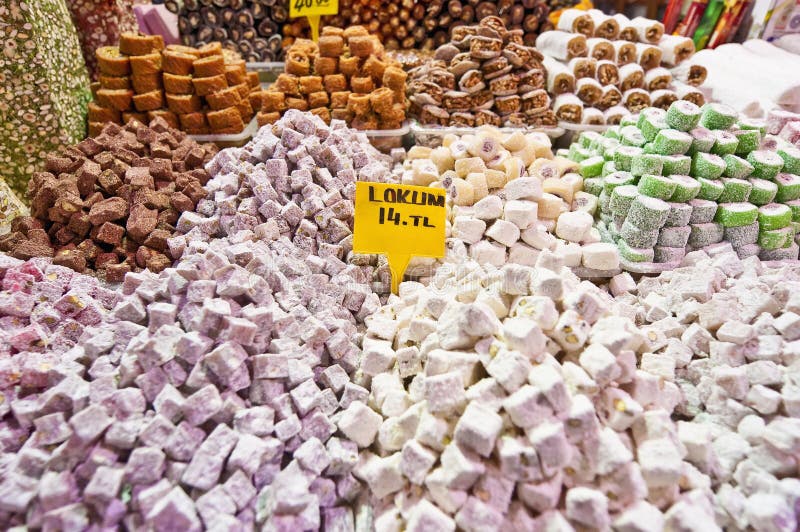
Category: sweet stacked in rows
[602,68]
[110,203]
[426,24]
[512,201]
[250,27]
[484,75]
[199,90]
[347,76]
[672,181]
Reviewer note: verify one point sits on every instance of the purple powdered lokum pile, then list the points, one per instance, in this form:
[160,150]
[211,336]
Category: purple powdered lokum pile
[210,396]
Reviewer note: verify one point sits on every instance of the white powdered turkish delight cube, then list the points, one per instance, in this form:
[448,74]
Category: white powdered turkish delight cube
[416,461]
[52,428]
[206,465]
[426,516]
[360,423]
[660,461]
[89,423]
[317,425]
[288,427]
[175,511]
[478,429]
[461,468]
[541,496]
[202,405]
[640,517]
[145,465]
[552,447]
[104,485]
[215,503]
[475,516]
[305,396]
[587,507]
[313,456]
[444,393]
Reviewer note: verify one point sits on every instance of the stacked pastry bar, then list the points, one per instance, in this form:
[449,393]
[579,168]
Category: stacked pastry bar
[347,76]
[199,90]
[602,68]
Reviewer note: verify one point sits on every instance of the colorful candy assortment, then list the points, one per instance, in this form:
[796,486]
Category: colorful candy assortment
[687,178]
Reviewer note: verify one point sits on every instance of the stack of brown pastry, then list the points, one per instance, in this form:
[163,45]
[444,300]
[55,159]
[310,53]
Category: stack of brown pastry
[199,90]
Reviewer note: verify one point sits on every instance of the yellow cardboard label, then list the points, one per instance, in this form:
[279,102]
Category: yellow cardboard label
[304,8]
[399,221]
[313,10]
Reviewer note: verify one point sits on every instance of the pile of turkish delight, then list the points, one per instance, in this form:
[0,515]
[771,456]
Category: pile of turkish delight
[264,380]
[206,395]
[510,199]
[523,398]
[110,203]
[673,181]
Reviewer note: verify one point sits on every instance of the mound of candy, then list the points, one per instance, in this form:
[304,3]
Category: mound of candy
[672,181]
[44,309]
[727,332]
[602,68]
[198,90]
[346,76]
[295,179]
[212,395]
[205,383]
[514,398]
[110,203]
[520,398]
[511,198]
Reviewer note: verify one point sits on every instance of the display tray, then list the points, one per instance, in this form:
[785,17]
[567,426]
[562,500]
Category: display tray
[387,139]
[234,140]
[267,72]
[571,132]
[590,273]
[431,136]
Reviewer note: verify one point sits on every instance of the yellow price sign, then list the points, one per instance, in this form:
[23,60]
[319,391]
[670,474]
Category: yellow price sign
[313,9]
[400,221]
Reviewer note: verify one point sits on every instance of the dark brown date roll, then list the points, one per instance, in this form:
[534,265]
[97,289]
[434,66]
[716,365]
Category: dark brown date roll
[427,24]
[227,16]
[236,23]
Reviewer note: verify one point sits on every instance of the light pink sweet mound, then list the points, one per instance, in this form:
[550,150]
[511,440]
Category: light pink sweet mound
[209,397]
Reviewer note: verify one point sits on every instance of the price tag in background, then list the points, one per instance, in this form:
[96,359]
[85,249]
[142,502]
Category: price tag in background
[399,221]
[313,9]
